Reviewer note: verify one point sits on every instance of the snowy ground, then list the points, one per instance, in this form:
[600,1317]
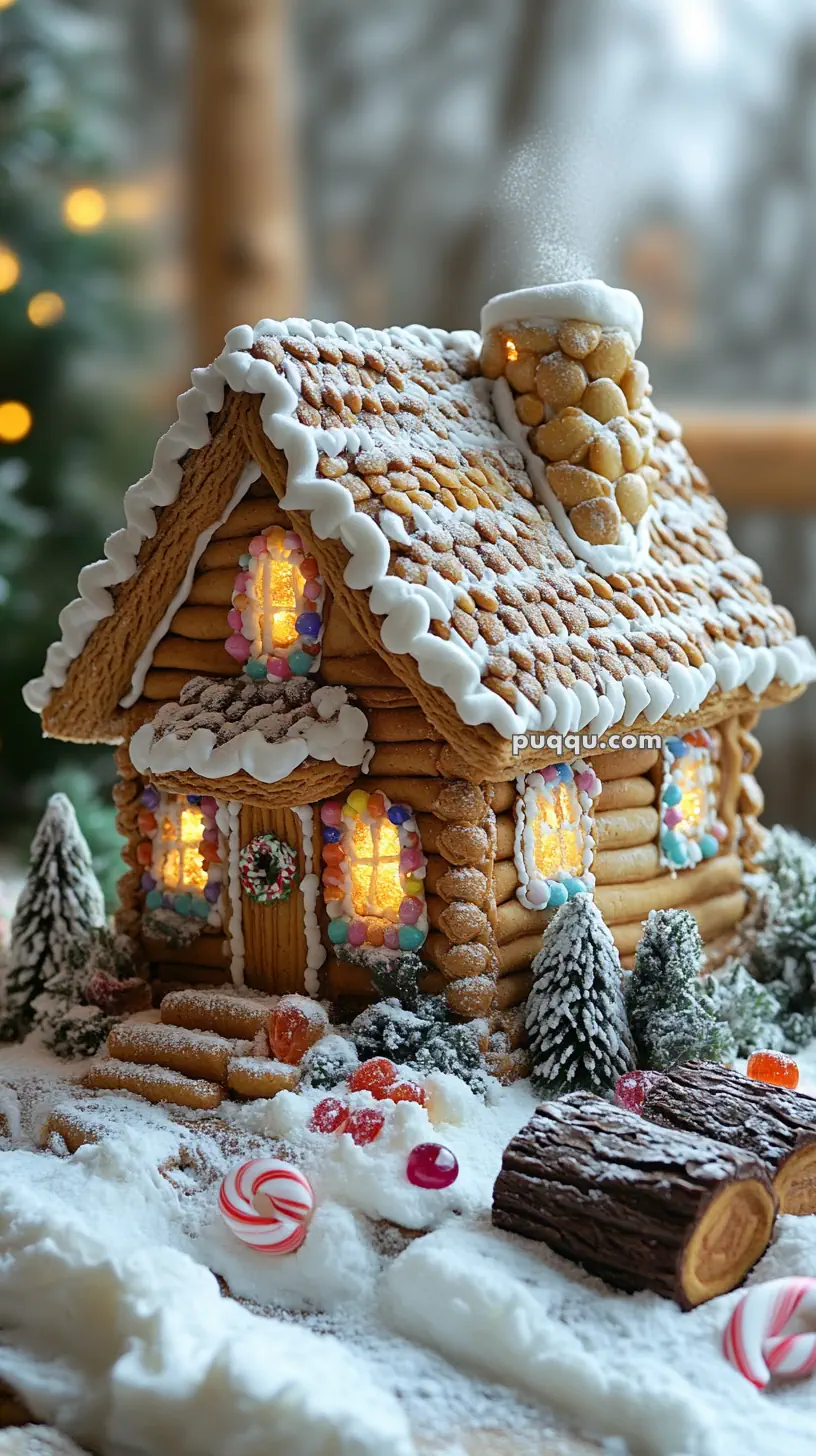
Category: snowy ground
[403,1320]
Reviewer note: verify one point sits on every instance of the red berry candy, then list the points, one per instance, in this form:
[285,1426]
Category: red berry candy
[330,1115]
[404,1092]
[373,1076]
[430,1165]
[631,1089]
[294,1026]
[774,1068]
[364,1125]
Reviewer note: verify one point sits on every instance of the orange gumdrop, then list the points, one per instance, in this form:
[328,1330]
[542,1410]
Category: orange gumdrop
[293,1028]
[774,1068]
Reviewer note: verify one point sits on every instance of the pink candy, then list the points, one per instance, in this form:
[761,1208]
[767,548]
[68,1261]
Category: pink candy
[357,932]
[278,667]
[550,773]
[238,647]
[410,910]
[235,619]
[672,817]
[631,1089]
[257,546]
[391,937]
[411,859]
[585,780]
[430,1165]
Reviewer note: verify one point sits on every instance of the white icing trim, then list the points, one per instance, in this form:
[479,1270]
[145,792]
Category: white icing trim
[407,610]
[228,820]
[628,554]
[310,889]
[528,788]
[587,299]
[340,741]
[249,473]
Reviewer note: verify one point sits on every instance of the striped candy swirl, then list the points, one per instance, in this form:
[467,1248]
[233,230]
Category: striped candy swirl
[754,1340]
[267,1204]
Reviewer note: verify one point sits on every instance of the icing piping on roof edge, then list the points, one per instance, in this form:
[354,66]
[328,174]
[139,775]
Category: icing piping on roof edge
[407,609]
[589,299]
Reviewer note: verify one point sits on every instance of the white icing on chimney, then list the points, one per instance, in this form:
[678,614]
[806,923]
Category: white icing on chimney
[588,299]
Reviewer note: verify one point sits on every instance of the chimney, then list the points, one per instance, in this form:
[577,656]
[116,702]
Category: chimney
[576,397]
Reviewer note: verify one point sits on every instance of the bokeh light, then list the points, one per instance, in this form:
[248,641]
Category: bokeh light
[6,4]
[45,308]
[15,421]
[9,262]
[84,209]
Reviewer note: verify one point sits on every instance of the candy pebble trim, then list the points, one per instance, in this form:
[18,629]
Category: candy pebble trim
[150,854]
[535,891]
[407,927]
[679,849]
[228,819]
[309,889]
[250,642]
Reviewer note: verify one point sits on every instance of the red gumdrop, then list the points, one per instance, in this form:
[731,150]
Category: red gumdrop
[364,1125]
[329,1115]
[373,1076]
[404,1092]
[631,1089]
[430,1165]
[774,1068]
[291,1031]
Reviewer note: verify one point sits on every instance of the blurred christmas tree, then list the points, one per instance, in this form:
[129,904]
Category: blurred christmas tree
[68,443]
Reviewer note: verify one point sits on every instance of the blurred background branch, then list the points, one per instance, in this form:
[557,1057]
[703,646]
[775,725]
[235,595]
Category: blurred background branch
[171,169]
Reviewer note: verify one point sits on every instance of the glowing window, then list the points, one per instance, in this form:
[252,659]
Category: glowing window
[278,607]
[689,827]
[178,859]
[373,873]
[554,843]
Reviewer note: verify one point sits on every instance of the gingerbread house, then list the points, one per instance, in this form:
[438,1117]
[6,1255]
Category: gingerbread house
[409,637]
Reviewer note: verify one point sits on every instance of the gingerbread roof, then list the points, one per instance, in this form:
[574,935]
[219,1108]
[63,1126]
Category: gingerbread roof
[431,513]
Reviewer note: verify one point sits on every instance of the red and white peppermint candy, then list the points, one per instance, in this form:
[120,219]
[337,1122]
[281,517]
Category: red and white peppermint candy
[267,1204]
[755,1340]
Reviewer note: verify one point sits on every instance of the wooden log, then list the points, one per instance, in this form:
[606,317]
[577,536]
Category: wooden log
[341,638]
[250,517]
[224,553]
[623,763]
[643,1207]
[512,990]
[406,759]
[163,686]
[505,880]
[172,975]
[454,802]
[203,624]
[367,670]
[631,793]
[468,842]
[773,1124]
[455,882]
[511,1022]
[620,903]
[400,725]
[213,588]
[519,954]
[190,656]
[155,1084]
[225,1014]
[619,828]
[513,920]
[713,917]
[625,866]
[205,950]
[178,1049]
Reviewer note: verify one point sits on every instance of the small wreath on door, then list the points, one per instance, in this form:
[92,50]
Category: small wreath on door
[268,869]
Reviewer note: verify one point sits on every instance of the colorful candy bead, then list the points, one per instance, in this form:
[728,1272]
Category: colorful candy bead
[256,669]
[257,546]
[672,795]
[357,932]
[337,932]
[309,567]
[406,1092]
[774,1068]
[308,624]
[242,581]
[144,852]
[719,830]
[209,806]
[631,1089]
[292,541]
[374,1076]
[211,893]
[708,845]
[332,854]
[550,773]
[331,835]
[559,894]
[564,773]
[182,904]
[538,893]
[238,647]
[430,1165]
[201,909]
[329,1115]
[411,859]
[153,900]
[147,881]
[312,590]
[671,818]
[376,806]
[278,667]
[331,811]
[244,560]
[409,937]
[292,1029]
[146,822]
[357,801]
[150,797]
[676,747]
[299,662]
[375,934]
[399,813]
[391,937]
[410,910]
[585,780]
[673,847]
[365,1125]
[413,886]
[574,886]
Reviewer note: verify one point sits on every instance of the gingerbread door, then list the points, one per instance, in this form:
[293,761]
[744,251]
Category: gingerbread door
[274,934]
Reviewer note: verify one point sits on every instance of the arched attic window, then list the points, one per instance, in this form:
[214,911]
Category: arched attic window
[278,603]
[373,873]
[554,844]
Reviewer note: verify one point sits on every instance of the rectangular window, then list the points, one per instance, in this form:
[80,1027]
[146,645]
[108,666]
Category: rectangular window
[690,830]
[554,841]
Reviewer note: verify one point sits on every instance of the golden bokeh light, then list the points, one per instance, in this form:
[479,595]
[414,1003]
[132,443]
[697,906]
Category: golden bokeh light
[16,420]
[84,209]
[557,837]
[9,264]
[511,351]
[6,4]
[45,309]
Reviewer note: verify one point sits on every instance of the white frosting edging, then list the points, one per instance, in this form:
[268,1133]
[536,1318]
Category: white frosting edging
[589,299]
[249,474]
[310,889]
[407,609]
[341,741]
[228,820]
[625,555]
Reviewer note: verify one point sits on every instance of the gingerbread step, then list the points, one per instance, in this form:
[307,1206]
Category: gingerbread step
[261,1077]
[155,1084]
[198,1054]
[229,1016]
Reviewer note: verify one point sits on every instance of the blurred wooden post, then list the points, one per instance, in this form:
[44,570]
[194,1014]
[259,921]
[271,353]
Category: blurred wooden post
[755,461]
[244,235]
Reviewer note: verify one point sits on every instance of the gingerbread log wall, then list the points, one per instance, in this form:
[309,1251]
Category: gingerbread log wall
[126,797]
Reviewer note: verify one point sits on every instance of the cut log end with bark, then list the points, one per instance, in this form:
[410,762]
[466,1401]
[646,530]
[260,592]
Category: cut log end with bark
[773,1124]
[643,1207]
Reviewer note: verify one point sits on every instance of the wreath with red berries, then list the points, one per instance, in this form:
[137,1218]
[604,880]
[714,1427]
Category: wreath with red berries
[268,869]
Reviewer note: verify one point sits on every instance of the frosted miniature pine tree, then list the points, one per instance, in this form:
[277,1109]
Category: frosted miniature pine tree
[61,903]
[670,1018]
[576,1018]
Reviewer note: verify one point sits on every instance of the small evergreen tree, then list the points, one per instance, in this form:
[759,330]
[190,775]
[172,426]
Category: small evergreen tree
[671,1021]
[61,903]
[576,1018]
[750,1011]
